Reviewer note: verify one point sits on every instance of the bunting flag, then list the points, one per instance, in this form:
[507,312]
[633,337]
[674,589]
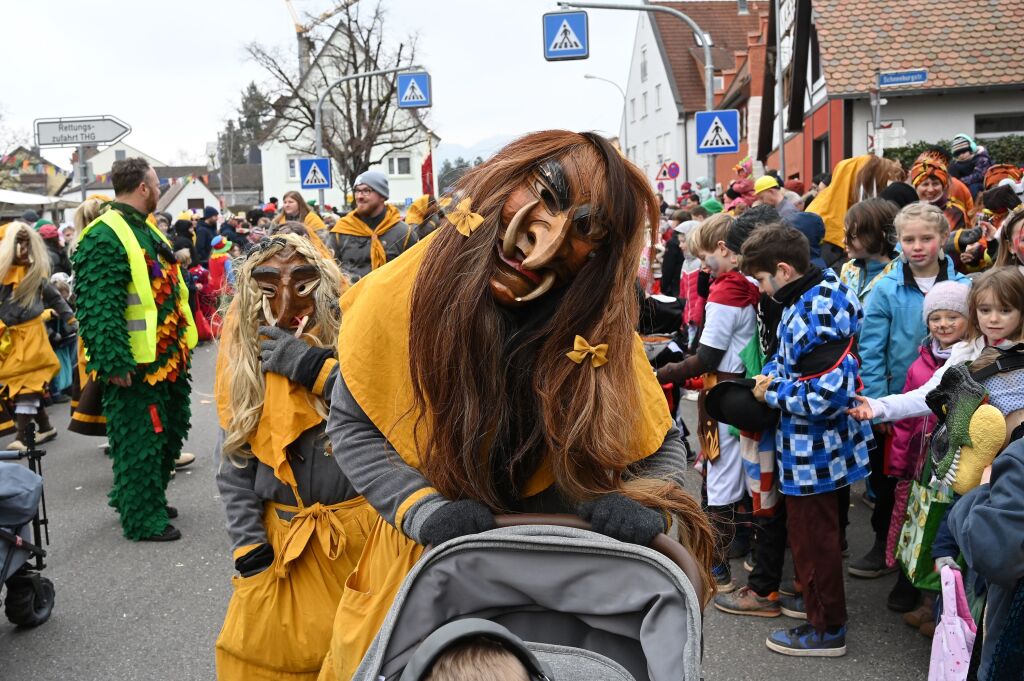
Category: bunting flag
[427,175]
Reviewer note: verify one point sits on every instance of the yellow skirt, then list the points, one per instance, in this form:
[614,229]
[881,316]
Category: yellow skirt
[278,623]
[27,362]
[387,558]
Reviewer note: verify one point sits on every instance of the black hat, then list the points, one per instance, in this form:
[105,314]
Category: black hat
[900,193]
[733,403]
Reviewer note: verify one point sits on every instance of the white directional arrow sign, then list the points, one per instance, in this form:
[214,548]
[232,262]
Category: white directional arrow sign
[70,132]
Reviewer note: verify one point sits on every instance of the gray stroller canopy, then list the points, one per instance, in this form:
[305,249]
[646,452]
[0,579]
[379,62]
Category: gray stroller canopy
[589,606]
[20,490]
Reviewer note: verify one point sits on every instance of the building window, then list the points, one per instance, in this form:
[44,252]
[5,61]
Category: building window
[632,110]
[120,154]
[999,124]
[647,147]
[643,64]
[643,105]
[816,72]
[707,36]
[196,204]
[657,97]
[399,165]
[293,168]
[659,148]
[820,156]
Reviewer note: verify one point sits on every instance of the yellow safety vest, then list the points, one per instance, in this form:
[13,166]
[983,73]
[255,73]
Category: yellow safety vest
[140,313]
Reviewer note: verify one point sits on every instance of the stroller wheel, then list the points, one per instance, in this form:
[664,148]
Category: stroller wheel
[29,599]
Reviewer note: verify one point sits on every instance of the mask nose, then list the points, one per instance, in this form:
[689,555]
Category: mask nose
[544,239]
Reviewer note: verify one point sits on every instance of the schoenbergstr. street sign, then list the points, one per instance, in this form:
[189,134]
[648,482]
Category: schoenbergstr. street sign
[72,132]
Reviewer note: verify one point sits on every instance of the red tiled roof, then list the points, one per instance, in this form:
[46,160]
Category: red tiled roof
[685,59]
[962,43]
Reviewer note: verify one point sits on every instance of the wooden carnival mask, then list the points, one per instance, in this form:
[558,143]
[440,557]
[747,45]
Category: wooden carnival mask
[545,240]
[287,282]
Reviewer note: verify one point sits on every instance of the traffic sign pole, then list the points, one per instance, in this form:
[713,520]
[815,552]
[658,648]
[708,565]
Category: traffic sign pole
[709,67]
[318,112]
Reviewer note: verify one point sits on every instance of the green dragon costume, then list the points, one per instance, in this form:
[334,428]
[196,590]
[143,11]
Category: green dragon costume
[954,402]
[148,420]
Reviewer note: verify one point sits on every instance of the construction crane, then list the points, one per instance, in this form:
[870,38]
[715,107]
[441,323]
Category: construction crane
[302,29]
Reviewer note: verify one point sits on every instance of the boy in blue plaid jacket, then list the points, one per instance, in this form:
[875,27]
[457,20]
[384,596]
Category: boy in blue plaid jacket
[811,380]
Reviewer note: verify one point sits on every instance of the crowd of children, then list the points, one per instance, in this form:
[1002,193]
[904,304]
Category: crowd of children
[851,366]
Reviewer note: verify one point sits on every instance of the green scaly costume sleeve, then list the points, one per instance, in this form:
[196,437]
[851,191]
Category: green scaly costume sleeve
[102,275]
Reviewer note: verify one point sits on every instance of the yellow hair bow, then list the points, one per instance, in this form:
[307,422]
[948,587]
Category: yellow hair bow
[464,219]
[581,348]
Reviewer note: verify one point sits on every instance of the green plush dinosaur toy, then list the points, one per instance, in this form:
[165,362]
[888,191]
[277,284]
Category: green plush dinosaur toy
[954,402]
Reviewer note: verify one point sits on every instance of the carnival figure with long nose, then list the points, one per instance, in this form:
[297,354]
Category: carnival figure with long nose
[494,368]
[296,524]
[27,361]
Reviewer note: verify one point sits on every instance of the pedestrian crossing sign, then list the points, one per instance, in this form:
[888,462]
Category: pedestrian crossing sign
[414,90]
[718,132]
[315,173]
[565,36]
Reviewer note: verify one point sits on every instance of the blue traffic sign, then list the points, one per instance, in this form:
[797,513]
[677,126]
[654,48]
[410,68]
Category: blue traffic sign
[315,173]
[414,90]
[565,36]
[897,78]
[718,132]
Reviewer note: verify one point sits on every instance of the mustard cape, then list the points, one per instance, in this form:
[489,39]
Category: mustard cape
[834,200]
[351,225]
[373,354]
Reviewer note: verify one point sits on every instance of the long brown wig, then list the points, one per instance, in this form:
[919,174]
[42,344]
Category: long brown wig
[496,384]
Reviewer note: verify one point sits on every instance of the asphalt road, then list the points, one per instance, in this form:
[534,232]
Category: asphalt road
[127,611]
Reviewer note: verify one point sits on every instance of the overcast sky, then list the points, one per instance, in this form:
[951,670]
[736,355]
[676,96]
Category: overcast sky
[173,70]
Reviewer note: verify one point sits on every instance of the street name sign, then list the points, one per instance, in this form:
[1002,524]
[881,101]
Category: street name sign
[718,132]
[73,132]
[566,36]
[414,90]
[898,78]
[315,173]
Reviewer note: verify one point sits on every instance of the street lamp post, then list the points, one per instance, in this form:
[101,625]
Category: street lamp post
[318,113]
[625,142]
[709,67]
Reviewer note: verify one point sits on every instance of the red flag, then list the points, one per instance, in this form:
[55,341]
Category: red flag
[427,173]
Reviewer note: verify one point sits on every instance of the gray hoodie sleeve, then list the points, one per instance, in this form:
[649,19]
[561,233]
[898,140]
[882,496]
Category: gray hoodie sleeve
[988,521]
[668,462]
[373,466]
[243,506]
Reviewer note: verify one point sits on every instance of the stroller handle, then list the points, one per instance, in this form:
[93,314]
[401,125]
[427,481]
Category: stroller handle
[663,544]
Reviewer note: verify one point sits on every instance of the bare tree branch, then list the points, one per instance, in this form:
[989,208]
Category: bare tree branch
[362,123]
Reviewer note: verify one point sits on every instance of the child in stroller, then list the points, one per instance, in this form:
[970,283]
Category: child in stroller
[29,600]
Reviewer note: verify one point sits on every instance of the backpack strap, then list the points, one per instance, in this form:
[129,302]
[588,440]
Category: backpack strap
[1009,360]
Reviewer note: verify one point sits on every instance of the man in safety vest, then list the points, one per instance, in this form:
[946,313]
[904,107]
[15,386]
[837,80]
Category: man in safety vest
[138,332]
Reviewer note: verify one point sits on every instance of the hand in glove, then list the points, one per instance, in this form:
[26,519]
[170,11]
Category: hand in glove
[618,516]
[283,353]
[256,561]
[946,561]
[455,519]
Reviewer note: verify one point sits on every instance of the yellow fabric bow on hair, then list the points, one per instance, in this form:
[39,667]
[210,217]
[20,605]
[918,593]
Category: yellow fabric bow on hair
[581,348]
[464,219]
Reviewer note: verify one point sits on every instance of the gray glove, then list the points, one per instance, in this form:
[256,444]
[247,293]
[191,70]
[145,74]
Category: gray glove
[455,519]
[618,516]
[283,353]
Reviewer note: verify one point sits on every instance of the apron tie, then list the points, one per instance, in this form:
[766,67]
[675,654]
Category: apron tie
[318,520]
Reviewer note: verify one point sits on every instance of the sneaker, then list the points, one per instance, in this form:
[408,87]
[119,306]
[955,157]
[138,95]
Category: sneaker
[927,629]
[793,606]
[44,436]
[171,512]
[915,618]
[804,641]
[748,564]
[170,533]
[745,601]
[872,564]
[790,589]
[723,578]
[185,459]
[739,547]
[868,497]
[17,446]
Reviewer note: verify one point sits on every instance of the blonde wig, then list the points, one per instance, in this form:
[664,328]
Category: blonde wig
[86,212]
[39,262]
[241,340]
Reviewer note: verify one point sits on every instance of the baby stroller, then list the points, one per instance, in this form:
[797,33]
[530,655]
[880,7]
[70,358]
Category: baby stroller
[586,605]
[29,600]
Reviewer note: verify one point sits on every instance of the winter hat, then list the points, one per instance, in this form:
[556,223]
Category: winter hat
[30,216]
[900,193]
[220,245]
[210,212]
[49,231]
[270,208]
[962,143]
[686,226]
[712,206]
[946,295]
[764,183]
[812,227]
[375,180]
[794,185]
[40,222]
